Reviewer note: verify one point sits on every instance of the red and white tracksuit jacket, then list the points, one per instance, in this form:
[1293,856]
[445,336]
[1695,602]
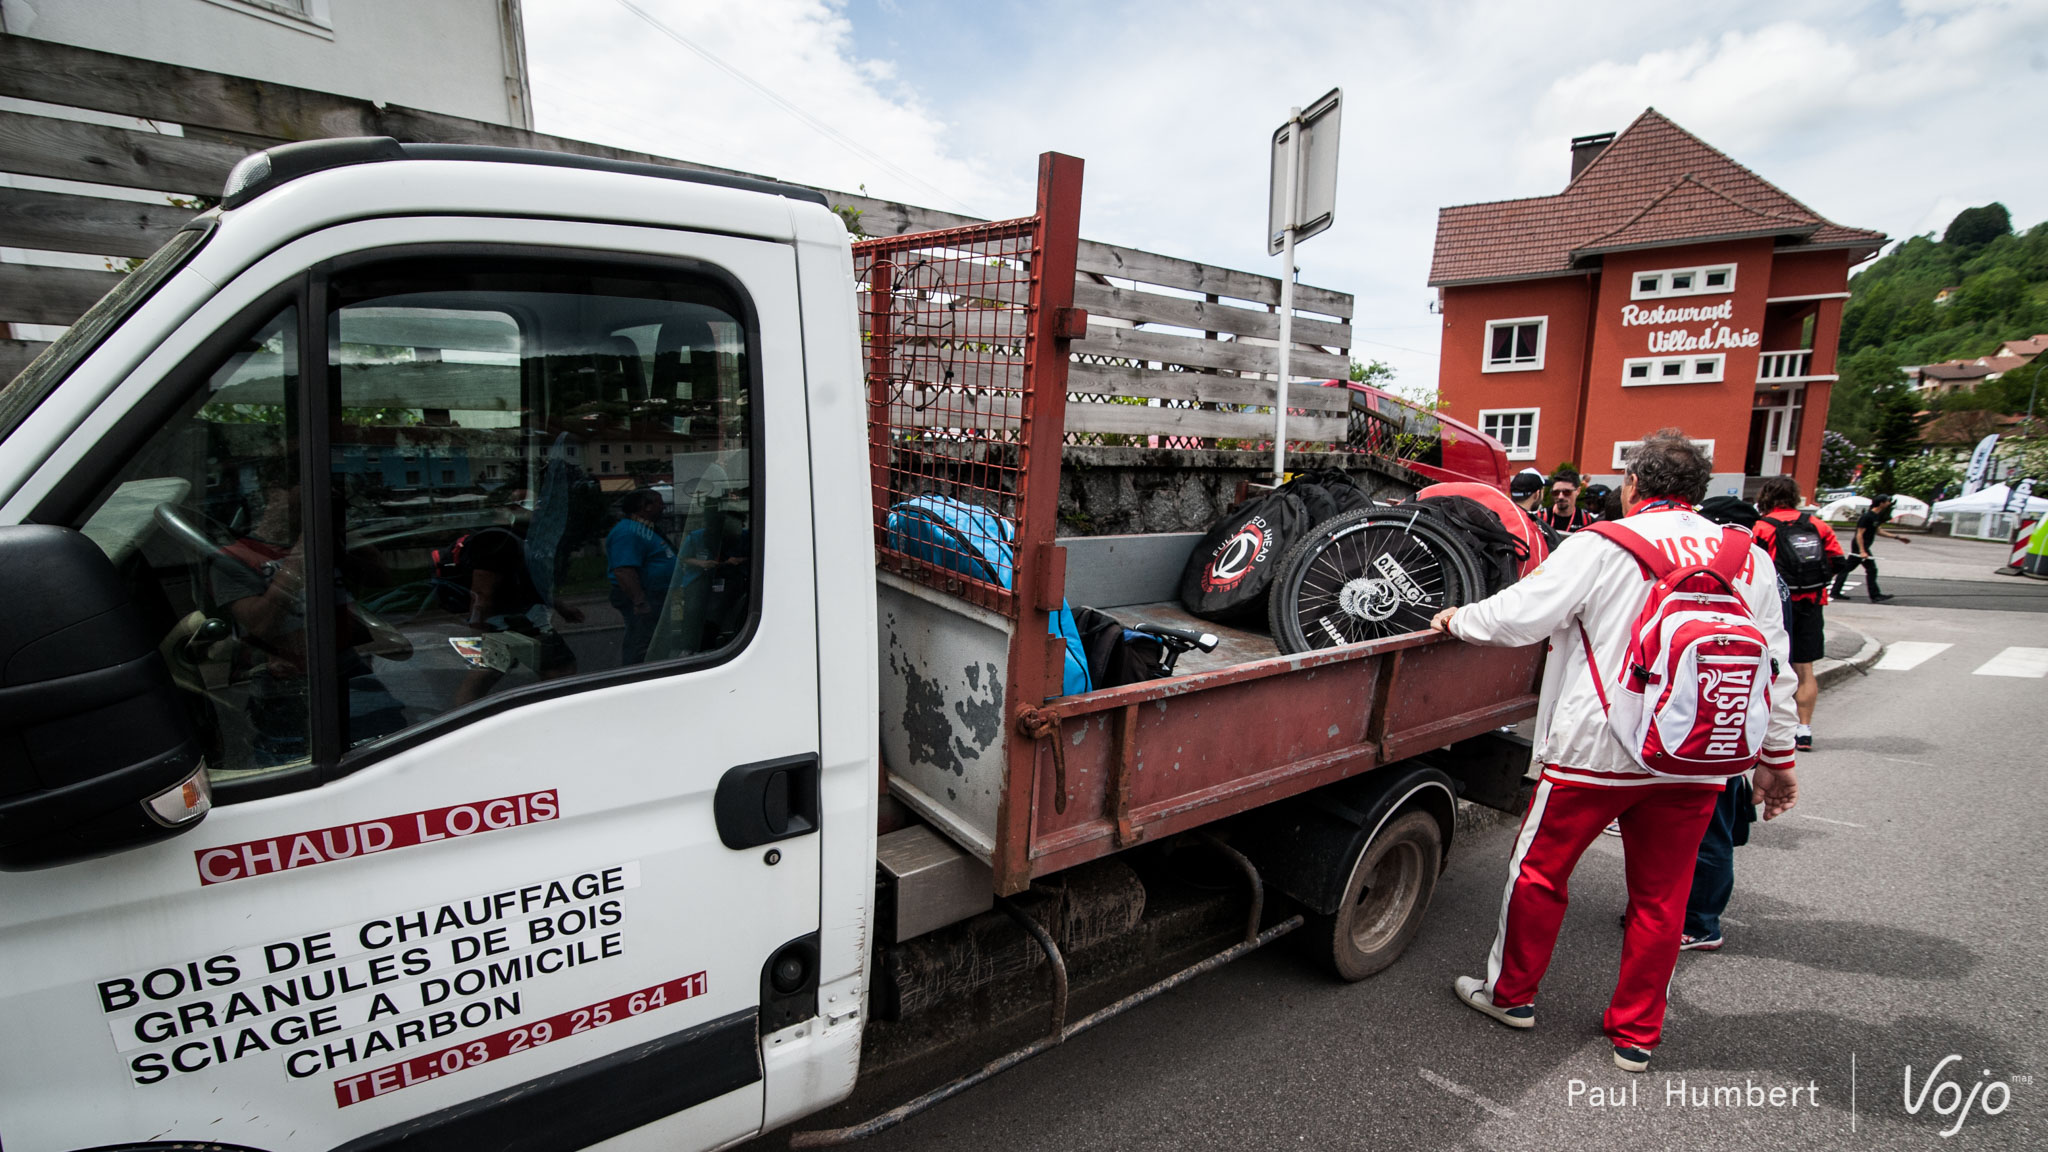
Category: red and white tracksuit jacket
[1589,777]
[1594,582]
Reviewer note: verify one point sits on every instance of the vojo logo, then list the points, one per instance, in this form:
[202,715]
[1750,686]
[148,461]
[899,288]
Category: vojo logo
[1234,557]
[1945,1096]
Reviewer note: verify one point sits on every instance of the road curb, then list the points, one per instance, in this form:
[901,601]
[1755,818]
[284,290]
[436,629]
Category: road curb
[1830,671]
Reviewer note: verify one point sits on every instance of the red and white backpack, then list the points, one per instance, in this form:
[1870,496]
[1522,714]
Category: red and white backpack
[1694,697]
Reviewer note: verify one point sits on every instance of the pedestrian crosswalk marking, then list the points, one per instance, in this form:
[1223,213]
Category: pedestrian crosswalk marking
[1904,655]
[2031,663]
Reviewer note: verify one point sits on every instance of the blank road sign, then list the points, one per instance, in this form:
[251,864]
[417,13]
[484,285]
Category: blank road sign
[1315,183]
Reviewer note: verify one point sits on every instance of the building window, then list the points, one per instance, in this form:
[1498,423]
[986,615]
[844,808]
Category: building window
[1621,449]
[1515,345]
[604,449]
[412,476]
[1674,369]
[1513,427]
[1713,281]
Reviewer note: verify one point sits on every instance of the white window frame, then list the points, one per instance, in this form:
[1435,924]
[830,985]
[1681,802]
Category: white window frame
[1535,416]
[1622,446]
[1664,290]
[314,17]
[1689,369]
[1487,362]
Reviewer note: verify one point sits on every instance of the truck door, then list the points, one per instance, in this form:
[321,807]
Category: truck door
[481,551]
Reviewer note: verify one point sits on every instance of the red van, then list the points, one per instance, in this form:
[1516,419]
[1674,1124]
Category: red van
[1428,443]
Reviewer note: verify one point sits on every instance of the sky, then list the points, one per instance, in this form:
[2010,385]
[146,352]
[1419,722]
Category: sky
[1892,116]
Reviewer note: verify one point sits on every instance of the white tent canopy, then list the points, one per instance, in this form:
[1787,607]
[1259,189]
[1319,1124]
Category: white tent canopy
[1905,510]
[1990,499]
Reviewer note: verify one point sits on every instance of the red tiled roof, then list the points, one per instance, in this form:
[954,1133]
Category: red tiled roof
[1656,184]
[2031,347]
[1955,371]
[2005,363]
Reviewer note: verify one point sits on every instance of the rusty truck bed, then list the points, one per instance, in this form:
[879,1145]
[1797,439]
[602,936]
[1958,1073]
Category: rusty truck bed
[970,334]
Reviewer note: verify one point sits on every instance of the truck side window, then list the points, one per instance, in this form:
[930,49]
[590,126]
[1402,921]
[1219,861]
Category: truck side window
[204,521]
[470,394]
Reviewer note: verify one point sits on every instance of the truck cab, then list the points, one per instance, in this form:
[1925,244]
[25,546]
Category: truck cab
[378,775]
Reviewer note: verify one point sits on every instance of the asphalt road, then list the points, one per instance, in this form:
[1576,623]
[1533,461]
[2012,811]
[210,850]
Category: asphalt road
[1893,919]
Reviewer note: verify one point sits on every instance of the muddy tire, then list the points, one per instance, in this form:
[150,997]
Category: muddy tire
[1384,898]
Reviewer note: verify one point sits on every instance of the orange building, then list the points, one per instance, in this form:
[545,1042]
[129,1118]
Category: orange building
[1666,285]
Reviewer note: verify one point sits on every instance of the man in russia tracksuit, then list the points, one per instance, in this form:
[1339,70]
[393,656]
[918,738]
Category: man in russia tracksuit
[1589,776]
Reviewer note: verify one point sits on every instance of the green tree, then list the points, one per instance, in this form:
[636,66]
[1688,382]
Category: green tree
[1975,226]
[1896,436]
[1377,373]
[1998,293]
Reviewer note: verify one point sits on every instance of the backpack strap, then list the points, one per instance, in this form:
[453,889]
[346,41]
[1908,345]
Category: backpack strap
[1655,564]
[1727,563]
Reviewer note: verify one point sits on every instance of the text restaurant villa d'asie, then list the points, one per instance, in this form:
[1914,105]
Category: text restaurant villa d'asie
[1667,285]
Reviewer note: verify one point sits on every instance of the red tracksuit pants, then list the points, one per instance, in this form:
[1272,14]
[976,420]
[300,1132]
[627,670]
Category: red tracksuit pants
[1661,826]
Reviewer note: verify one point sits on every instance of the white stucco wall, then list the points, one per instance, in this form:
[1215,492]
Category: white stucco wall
[453,56]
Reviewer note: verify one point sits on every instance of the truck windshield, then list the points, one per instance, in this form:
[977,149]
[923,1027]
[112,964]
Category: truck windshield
[42,376]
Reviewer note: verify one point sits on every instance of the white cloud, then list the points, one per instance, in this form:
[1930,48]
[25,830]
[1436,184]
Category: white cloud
[602,73]
[1874,114]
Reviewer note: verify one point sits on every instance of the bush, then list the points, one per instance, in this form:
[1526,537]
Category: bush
[1839,456]
[1921,477]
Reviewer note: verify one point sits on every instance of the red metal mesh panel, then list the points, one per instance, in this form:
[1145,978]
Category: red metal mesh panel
[947,321]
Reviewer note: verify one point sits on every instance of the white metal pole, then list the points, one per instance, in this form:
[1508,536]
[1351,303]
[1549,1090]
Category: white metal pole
[1286,296]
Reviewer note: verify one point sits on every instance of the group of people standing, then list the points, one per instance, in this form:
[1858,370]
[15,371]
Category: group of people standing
[1586,601]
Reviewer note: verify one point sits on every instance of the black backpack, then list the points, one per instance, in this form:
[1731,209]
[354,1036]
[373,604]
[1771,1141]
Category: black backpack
[1328,492]
[1118,655]
[1801,556]
[1231,569]
[1499,551]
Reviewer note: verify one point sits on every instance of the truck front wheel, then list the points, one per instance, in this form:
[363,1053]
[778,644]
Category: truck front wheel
[1384,899]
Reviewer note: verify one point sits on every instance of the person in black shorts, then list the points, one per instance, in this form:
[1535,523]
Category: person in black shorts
[1778,500]
[1869,527]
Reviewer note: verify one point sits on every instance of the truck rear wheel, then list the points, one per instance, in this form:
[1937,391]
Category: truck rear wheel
[1384,899]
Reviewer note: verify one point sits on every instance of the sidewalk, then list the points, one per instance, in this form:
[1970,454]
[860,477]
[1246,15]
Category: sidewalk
[1848,652]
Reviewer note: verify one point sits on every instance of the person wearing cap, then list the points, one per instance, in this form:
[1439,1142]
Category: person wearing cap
[1869,527]
[1526,490]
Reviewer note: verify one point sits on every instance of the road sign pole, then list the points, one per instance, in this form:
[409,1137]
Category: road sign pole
[1293,166]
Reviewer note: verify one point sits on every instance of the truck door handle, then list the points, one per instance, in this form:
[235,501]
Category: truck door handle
[773,800]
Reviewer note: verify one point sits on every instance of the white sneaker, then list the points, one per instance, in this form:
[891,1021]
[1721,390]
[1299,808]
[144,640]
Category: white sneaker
[1613,828]
[1472,990]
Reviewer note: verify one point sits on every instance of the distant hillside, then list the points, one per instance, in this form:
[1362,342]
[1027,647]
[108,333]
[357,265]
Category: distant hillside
[1998,290]
[2002,292]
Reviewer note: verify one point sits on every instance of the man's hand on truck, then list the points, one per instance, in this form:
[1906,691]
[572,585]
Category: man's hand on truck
[1441,622]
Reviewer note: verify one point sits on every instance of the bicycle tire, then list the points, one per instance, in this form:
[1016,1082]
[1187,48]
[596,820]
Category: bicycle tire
[1367,575]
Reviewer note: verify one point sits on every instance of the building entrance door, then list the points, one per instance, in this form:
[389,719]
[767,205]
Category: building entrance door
[1773,434]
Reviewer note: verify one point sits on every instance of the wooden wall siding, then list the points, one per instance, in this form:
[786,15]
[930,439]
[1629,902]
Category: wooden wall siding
[15,355]
[62,223]
[1191,382]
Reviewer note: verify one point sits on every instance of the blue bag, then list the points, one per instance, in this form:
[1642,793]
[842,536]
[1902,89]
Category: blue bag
[969,539]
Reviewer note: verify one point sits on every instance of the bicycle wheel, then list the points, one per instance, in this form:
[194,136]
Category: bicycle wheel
[1366,575]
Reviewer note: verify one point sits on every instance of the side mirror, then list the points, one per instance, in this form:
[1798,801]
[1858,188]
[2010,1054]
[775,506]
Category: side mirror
[97,750]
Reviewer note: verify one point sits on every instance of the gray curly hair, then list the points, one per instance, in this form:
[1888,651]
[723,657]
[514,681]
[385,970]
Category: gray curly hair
[1667,464]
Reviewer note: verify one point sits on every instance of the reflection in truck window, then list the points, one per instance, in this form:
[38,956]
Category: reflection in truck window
[502,553]
[204,524]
